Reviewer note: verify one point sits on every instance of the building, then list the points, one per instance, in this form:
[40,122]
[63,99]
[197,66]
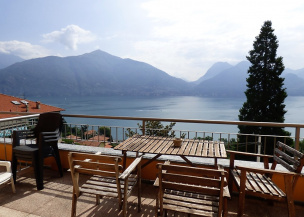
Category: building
[15,104]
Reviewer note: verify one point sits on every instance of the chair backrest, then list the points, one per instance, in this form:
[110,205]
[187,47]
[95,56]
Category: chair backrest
[203,181]
[288,157]
[93,164]
[48,122]
[187,176]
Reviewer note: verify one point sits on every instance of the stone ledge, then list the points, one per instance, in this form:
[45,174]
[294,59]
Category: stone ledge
[195,160]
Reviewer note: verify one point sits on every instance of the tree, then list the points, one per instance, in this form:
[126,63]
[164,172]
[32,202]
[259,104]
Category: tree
[265,93]
[106,131]
[154,128]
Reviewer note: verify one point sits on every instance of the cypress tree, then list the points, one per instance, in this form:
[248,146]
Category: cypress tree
[265,92]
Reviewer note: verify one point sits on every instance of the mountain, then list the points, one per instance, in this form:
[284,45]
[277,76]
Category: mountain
[100,73]
[294,84]
[231,82]
[213,71]
[96,73]
[8,59]
[299,72]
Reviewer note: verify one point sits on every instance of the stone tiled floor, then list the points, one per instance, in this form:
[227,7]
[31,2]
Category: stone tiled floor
[55,201]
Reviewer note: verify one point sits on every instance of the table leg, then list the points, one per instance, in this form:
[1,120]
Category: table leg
[124,162]
[149,161]
[188,161]
[215,161]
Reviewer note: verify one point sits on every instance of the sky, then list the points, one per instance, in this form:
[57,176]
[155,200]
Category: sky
[184,38]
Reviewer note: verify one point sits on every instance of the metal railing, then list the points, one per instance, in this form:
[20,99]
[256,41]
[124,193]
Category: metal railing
[112,135]
[8,125]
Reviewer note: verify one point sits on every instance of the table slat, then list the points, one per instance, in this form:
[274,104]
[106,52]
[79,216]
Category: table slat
[199,148]
[217,149]
[223,150]
[211,149]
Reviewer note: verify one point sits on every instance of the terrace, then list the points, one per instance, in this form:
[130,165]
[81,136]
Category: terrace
[55,198]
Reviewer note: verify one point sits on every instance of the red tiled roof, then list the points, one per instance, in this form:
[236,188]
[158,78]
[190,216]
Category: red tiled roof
[6,105]
[108,145]
[100,138]
[89,143]
[73,137]
[90,132]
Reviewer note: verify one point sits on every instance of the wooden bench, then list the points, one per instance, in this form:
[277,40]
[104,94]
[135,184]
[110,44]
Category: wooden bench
[258,182]
[192,190]
[106,178]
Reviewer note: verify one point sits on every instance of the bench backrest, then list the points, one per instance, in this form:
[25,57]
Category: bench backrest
[288,157]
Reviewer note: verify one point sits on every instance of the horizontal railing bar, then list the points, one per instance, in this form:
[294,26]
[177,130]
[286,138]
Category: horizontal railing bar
[249,123]
[17,118]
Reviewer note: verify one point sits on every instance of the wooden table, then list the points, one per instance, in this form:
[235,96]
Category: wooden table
[164,146]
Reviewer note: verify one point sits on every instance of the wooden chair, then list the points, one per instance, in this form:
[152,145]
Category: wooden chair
[106,178]
[191,190]
[7,175]
[258,182]
[46,133]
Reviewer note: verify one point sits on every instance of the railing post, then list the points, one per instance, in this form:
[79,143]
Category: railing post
[259,148]
[297,138]
[144,127]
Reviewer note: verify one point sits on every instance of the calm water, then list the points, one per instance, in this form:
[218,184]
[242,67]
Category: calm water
[180,107]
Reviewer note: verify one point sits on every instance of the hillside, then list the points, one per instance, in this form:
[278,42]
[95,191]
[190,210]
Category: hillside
[231,82]
[8,59]
[214,70]
[96,73]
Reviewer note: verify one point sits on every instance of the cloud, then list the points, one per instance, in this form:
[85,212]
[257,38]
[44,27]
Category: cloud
[188,37]
[184,59]
[24,50]
[70,36]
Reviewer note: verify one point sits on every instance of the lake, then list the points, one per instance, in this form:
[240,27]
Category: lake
[178,107]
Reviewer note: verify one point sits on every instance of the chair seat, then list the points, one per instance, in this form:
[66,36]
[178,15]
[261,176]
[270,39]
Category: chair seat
[188,202]
[105,186]
[26,148]
[258,183]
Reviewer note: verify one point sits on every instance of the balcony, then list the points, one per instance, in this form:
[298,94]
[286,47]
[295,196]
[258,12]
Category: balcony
[55,198]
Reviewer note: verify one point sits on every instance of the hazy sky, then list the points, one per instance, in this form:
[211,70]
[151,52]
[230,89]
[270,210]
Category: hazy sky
[181,37]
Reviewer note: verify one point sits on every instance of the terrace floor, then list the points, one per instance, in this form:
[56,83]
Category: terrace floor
[55,201]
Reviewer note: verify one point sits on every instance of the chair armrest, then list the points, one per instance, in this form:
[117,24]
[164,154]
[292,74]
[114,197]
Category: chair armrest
[130,168]
[6,164]
[265,171]
[248,154]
